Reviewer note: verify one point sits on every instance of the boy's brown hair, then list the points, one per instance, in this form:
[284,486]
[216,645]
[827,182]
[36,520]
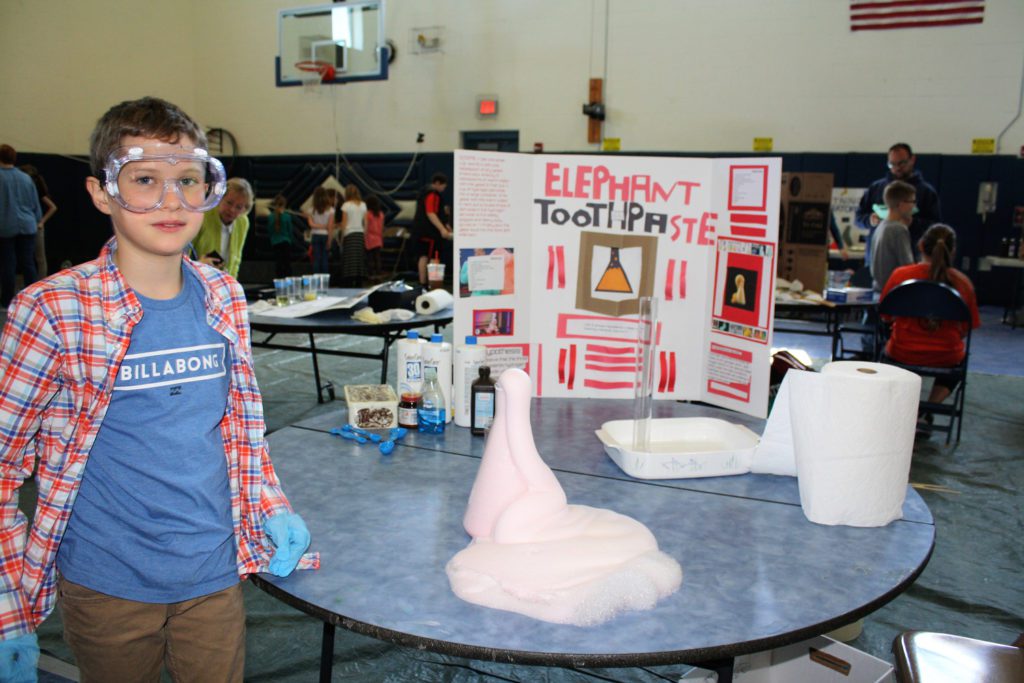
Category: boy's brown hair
[898,191]
[149,117]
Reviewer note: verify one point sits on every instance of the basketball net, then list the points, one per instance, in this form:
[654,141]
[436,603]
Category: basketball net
[315,74]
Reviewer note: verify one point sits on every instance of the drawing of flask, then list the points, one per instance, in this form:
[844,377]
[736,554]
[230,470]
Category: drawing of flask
[614,278]
[643,403]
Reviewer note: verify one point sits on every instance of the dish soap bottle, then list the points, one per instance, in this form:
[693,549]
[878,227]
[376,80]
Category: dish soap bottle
[431,410]
[481,405]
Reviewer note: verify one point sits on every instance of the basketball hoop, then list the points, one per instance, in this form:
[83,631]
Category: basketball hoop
[323,69]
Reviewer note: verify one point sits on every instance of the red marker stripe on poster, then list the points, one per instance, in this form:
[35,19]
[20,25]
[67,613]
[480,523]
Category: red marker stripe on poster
[682,279]
[672,371]
[611,368]
[560,254]
[572,365]
[663,375]
[599,384]
[746,231]
[600,348]
[551,267]
[540,368]
[618,360]
[669,277]
[561,366]
[755,218]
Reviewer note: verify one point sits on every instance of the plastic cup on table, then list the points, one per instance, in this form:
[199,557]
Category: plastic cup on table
[281,287]
[294,286]
[308,287]
[435,275]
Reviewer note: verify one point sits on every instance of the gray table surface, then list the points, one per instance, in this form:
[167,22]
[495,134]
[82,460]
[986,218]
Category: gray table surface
[756,573]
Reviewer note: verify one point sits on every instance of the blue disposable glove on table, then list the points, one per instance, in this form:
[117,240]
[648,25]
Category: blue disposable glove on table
[290,537]
[19,659]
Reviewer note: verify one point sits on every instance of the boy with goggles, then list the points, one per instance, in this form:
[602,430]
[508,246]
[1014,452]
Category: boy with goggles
[131,378]
[140,178]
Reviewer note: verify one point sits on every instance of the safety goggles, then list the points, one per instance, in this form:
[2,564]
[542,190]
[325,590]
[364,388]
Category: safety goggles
[138,178]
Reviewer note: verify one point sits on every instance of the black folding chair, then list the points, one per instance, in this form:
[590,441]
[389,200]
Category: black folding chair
[924,657]
[933,301]
[862,330]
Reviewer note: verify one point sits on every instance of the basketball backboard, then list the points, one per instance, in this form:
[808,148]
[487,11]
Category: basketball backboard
[343,41]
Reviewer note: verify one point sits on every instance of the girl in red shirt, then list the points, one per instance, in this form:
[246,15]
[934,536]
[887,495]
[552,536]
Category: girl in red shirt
[920,341]
[373,236]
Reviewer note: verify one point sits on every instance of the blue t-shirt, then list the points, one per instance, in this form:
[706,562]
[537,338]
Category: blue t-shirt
[152,520]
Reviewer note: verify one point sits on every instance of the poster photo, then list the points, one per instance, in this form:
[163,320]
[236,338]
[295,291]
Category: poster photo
[486,271]
[494,322]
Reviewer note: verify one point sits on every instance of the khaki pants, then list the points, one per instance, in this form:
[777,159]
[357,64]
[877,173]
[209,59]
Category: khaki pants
[122,640]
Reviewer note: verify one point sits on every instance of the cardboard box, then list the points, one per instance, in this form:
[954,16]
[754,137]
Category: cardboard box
[806,263]
[849,295]
[806,209]
[371,406]
[820,659]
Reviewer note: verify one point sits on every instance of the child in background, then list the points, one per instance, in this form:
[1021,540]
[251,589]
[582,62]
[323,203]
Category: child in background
[937,343]
[321,225]
[279,227]
[374,234]
[353,224]
[890,244]
[130,378]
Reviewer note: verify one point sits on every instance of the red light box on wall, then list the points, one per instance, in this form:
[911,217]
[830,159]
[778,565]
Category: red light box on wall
[487,107]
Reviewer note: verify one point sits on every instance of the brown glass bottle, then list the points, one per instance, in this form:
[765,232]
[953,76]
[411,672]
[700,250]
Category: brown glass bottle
[481,402]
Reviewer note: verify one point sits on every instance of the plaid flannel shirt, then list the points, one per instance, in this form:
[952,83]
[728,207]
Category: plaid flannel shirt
[62,344]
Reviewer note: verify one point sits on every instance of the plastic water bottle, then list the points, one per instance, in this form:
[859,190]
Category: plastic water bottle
[431,410]
[437,353]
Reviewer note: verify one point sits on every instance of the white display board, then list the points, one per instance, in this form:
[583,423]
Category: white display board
[553,253]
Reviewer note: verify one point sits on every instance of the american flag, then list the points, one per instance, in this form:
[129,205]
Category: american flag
[891,14]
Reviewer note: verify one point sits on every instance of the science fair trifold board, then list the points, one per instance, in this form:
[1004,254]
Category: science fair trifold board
[553,253]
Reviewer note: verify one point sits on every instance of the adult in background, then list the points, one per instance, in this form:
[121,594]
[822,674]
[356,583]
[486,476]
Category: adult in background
[901,162]
[427,227]
[353,249]
[222,236]
[49,208]
[20,215]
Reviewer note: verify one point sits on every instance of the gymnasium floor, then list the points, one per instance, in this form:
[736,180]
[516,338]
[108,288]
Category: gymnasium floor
[971,586]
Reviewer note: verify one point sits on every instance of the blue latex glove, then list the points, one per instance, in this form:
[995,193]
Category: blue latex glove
[290,536]
[19,659]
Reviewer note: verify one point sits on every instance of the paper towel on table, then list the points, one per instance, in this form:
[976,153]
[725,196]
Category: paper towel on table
[853,436]
[433,301]
[774,452]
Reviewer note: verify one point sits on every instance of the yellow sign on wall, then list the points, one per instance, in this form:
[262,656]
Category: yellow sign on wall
[983,146]
[762,144]
[611,144]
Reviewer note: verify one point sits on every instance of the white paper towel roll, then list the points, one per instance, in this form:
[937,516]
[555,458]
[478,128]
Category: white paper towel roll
[774,451]
[853,436]
[433,301]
